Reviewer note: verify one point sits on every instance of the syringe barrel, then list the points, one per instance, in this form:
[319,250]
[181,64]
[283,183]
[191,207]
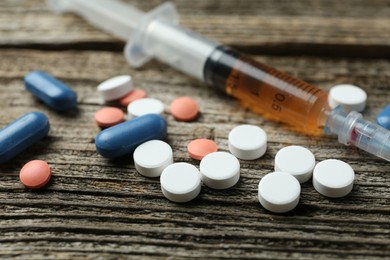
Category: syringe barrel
[352,129]
[178,47]
[272,93]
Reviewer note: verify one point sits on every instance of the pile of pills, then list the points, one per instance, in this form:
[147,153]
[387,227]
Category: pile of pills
[143,134]
[143,130]
[278,191]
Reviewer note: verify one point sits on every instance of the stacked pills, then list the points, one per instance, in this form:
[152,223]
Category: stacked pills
[143,134]
[120,88]
[115,88]
[122,136]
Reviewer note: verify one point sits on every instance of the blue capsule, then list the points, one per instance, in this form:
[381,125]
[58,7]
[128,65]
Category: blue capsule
[383,118]
[123,138]
[22,133]
[51,91]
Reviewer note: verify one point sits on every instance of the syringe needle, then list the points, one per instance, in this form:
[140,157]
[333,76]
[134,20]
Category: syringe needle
[352,129]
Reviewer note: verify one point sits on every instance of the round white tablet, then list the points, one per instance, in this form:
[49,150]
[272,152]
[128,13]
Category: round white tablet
[247,142]
[279,192]
[333,178]
[350,97]
[152,157]
[297,161]
[145,106]
[220,170]
[115,88]
[180,182]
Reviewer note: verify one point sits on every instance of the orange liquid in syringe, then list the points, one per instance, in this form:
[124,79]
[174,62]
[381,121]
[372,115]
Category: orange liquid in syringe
[267,91]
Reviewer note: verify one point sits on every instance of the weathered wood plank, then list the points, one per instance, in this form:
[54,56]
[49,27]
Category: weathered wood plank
[98,208]
[361,29]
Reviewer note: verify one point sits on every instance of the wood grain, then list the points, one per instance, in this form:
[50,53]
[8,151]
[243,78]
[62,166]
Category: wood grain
[325,28]
[97,208]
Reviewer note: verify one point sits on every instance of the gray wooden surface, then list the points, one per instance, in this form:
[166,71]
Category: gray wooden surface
[97,208]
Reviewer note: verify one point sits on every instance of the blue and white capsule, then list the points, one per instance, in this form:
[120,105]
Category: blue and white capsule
[50,91]
[22,133]
[123,138]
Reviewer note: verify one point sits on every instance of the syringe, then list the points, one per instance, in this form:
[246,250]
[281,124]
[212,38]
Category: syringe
[259,87]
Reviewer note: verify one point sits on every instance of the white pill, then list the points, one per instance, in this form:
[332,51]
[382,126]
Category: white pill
[333,178]
[115,88]
[350,97]
[297,161]
[220,170]
[247,142]
[145,106]
[279,192]
[180,182]
[152,157]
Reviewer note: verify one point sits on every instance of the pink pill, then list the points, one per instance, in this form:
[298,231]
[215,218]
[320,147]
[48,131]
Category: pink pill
[109,116]
[35,174]
[184,109]
[199,148]
[132,96]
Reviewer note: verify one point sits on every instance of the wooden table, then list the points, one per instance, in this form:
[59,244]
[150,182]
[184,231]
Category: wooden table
[97,208]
